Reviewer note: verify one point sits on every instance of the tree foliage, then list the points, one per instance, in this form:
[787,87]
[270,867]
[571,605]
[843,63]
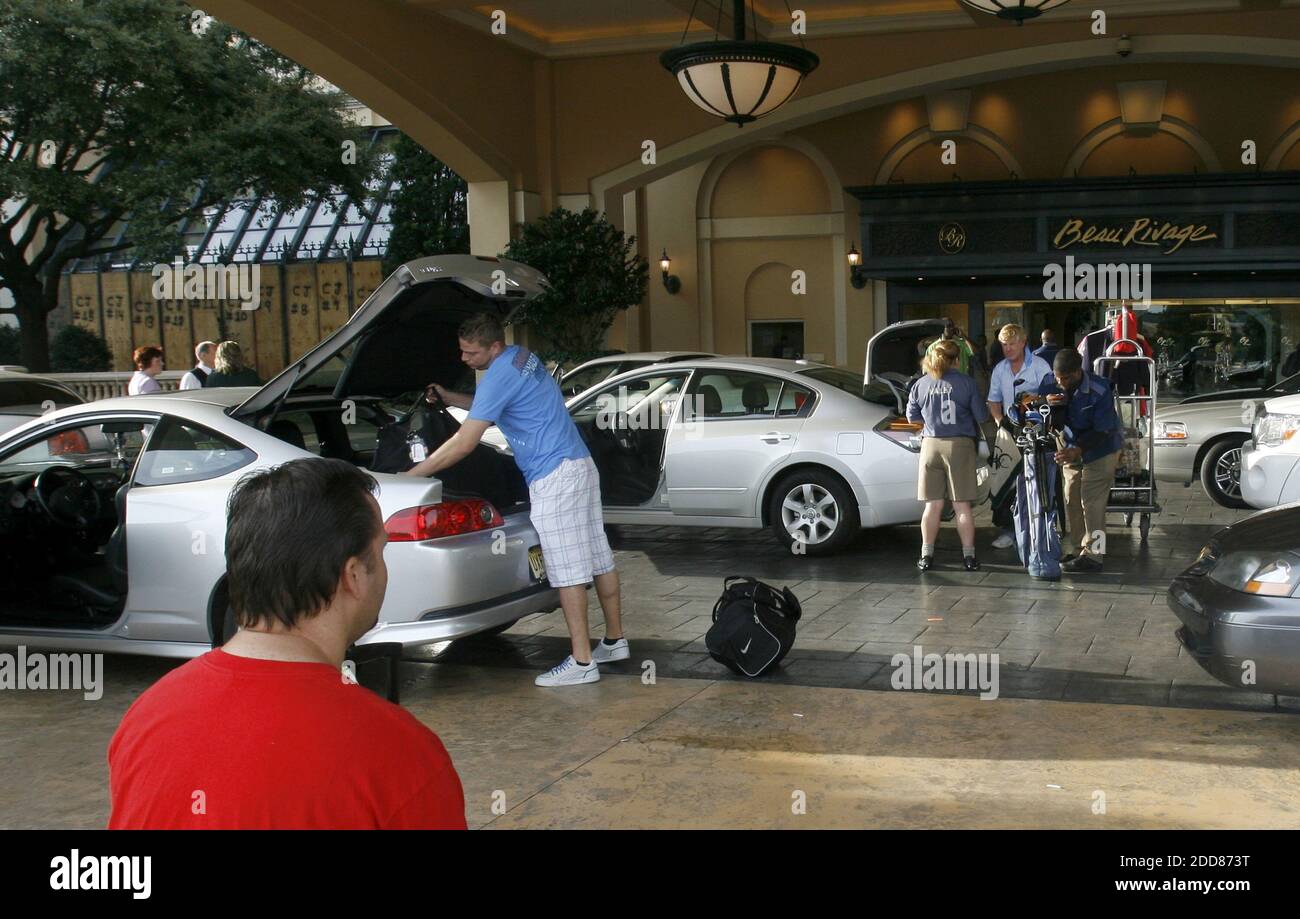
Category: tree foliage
[595,273]
[79,350]
[429,206]
[146,109]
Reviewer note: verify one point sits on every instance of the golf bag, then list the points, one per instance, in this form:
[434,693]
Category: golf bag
[1037,539]
[753,626]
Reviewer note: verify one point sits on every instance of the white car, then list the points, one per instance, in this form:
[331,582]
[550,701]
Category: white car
[599,369]
[1270,461]
[113,513]
[24,396]
[813,452]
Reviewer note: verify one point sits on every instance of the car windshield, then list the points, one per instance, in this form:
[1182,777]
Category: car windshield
[875,392]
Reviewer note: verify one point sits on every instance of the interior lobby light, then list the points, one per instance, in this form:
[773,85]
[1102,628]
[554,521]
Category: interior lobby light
[1015,10]
[739,80]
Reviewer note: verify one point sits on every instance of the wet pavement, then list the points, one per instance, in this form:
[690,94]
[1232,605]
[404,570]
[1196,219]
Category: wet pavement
[670,738]
[1105,637]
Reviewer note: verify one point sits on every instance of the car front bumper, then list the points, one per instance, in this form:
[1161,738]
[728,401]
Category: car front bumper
[1223,629]
[1268,477]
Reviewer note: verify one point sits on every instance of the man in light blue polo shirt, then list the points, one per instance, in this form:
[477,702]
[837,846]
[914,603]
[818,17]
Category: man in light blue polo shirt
[1018,372]
[520,397]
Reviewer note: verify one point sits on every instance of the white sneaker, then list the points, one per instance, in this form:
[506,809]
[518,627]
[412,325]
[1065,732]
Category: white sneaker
[607,654]
[1004,540]
[569,672]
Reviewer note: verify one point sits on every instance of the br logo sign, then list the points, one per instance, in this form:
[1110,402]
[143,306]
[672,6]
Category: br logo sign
[952,238]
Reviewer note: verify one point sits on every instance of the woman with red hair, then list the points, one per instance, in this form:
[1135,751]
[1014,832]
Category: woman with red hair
[148,364]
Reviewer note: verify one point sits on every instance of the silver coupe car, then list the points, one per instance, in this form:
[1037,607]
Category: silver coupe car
[113,513]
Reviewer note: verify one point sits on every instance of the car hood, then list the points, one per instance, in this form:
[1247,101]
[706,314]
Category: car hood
[1286,405]
[1276,529]
[1213,417]
[404,336]
[1223,395]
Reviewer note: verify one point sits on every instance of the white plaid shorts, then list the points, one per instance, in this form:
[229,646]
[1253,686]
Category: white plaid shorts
[566,514]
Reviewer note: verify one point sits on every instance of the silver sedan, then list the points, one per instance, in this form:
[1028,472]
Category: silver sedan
[1201,438]
[113,513]
[808,450]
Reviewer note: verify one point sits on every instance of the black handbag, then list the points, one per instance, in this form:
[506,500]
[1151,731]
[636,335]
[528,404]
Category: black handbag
[753,626]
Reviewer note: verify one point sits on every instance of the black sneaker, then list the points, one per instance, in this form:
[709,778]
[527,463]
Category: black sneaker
[924,562]
[1069,558]
[971,562]
[1084,564]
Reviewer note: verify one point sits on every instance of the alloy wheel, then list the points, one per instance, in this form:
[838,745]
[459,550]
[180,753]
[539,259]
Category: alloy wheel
[1227,473]
[810,513]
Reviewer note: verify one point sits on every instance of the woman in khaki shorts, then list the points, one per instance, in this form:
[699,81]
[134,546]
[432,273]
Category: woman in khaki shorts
[949,406]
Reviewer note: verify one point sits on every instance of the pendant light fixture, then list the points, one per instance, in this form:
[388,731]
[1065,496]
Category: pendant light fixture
[1015,10]
[739,80]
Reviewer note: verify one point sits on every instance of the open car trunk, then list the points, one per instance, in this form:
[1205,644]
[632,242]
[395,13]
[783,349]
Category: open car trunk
[894,355]
[401,339]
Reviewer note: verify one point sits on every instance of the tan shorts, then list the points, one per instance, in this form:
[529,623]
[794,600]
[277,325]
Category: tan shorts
[947,469]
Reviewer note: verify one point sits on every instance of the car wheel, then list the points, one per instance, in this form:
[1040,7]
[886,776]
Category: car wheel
[815,508]
[1221,474]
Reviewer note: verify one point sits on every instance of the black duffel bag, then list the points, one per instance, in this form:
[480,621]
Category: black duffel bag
[753,625]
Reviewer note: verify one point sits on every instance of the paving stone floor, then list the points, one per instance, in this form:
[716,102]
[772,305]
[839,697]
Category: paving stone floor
[1107,637]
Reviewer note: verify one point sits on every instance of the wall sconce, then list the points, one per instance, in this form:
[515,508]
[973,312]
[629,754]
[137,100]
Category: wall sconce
[671,282]
[857,276]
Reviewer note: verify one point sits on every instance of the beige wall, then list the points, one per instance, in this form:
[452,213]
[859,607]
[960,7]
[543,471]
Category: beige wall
[752,279]
[575,126]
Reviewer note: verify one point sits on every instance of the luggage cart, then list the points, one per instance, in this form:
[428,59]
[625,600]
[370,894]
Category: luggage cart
[1134,492]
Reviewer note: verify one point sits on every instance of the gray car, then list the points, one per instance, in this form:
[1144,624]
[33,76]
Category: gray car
[112,513]
[1239,603]
[1201,437]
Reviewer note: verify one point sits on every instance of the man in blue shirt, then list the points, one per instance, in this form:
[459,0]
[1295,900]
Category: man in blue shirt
[1092,437]
[520,397]
[1018,372]
[1049,347]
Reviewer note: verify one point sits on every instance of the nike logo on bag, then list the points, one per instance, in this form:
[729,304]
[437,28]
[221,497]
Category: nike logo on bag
[745,650]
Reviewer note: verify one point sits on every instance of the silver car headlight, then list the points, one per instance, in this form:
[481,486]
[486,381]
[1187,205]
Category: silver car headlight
[1171,430]
[1273,429]
[1269,574]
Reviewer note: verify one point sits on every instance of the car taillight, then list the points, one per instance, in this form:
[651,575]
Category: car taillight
[434,521]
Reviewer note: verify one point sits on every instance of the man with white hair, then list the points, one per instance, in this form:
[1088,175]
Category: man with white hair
[197,378]
[1019,372]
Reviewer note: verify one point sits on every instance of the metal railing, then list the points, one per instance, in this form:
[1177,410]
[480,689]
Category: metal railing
[95,386]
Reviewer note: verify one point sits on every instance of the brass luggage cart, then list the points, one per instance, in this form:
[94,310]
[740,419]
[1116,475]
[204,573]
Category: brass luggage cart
[1134,492]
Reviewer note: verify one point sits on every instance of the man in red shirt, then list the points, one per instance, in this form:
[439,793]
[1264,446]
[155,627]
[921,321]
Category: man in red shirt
[266,732]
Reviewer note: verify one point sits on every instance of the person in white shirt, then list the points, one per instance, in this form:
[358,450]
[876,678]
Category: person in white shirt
[198,376]
[1018,372]
[148,364]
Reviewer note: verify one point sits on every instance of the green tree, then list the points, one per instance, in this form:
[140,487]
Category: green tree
[429,206]
[595,272]
[78,350]
[144,109]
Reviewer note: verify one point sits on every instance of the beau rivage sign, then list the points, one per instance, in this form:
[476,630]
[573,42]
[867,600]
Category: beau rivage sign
[1138,233]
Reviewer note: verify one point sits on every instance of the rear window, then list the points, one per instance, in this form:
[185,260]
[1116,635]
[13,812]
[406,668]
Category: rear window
[875,392]
[34,396]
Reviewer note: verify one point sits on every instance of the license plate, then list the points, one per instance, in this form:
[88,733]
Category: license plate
[537,563]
